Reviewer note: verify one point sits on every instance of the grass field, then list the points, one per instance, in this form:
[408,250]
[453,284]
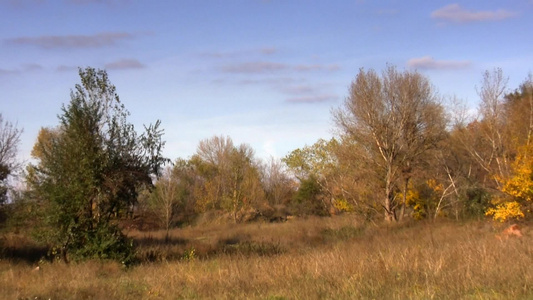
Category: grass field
[315,258]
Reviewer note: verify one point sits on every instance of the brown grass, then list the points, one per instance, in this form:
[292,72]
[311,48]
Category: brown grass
[330,258]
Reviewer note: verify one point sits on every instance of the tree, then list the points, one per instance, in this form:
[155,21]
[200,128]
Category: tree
[165,199]
[89,170]
[278,185]
[231,179]
[485,138]
[395,119]
[516,185]
[9,140]
[316,165]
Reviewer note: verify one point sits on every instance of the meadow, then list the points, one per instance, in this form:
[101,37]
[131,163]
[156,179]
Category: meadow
[313,258]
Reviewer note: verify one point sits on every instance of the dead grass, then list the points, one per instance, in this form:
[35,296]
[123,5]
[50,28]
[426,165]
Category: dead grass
[330,258]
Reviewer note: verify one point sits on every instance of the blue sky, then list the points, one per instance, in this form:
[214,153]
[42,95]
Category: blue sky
[265,72]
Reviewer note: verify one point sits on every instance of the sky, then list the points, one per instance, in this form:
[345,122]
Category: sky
[267,73]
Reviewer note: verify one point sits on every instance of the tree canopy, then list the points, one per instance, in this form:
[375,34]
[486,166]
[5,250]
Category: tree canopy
[89,169]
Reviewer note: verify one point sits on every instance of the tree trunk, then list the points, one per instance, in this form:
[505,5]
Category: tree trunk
[390,211]
[390,214]
[404,204]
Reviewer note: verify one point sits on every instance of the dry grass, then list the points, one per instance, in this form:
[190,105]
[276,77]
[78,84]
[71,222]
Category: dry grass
[331,258]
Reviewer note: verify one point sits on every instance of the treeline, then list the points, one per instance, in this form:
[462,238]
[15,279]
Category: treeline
[400,152]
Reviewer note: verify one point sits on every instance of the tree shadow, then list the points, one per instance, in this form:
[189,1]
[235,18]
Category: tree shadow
[154,241]
[28,254]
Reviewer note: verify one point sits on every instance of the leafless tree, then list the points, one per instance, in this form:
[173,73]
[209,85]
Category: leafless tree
[278,185]
[485,139]
[165,199]
[9,141]
[394,118]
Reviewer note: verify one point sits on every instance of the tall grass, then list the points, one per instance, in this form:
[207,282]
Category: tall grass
[330,258]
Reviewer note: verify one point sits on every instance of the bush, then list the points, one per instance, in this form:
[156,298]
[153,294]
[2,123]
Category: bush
[308,199]
[476,202]
[104,242]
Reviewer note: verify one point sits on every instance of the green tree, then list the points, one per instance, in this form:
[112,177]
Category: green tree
[89,169]
[316,166]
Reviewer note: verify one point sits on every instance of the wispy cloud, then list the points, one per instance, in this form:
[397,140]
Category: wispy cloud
[7,72]
[20,3]
[428,62]
[82,2]
[64,68]
[299,89]
[255,67]
[72,41]
[270,67]
[316,67]
[30,67]
[307,92]
[312,99]
[234,54]
[455,13]
[274,82]
[125,64]
[387,12]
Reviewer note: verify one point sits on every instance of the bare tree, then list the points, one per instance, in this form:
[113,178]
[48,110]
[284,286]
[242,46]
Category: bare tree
[9,141]
[165,199]
[278,185]
[485,138]
[395,119]
[491,109]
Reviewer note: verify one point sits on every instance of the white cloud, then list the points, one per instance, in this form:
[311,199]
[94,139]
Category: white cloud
[428,62]
[455,13]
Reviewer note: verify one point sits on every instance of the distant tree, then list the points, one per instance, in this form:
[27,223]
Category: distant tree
[319,163]
[395,119]
[9,141]
[309,199]
[89,170]
[277,183]
[230,176]
[165,199]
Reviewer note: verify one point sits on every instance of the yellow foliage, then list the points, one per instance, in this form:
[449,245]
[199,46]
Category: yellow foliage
[413,199]
[506,210]
[518,186]
[436,187]
[521,184]
[343,205]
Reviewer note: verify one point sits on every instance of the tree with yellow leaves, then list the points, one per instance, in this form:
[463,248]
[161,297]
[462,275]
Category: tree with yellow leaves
[518,188]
